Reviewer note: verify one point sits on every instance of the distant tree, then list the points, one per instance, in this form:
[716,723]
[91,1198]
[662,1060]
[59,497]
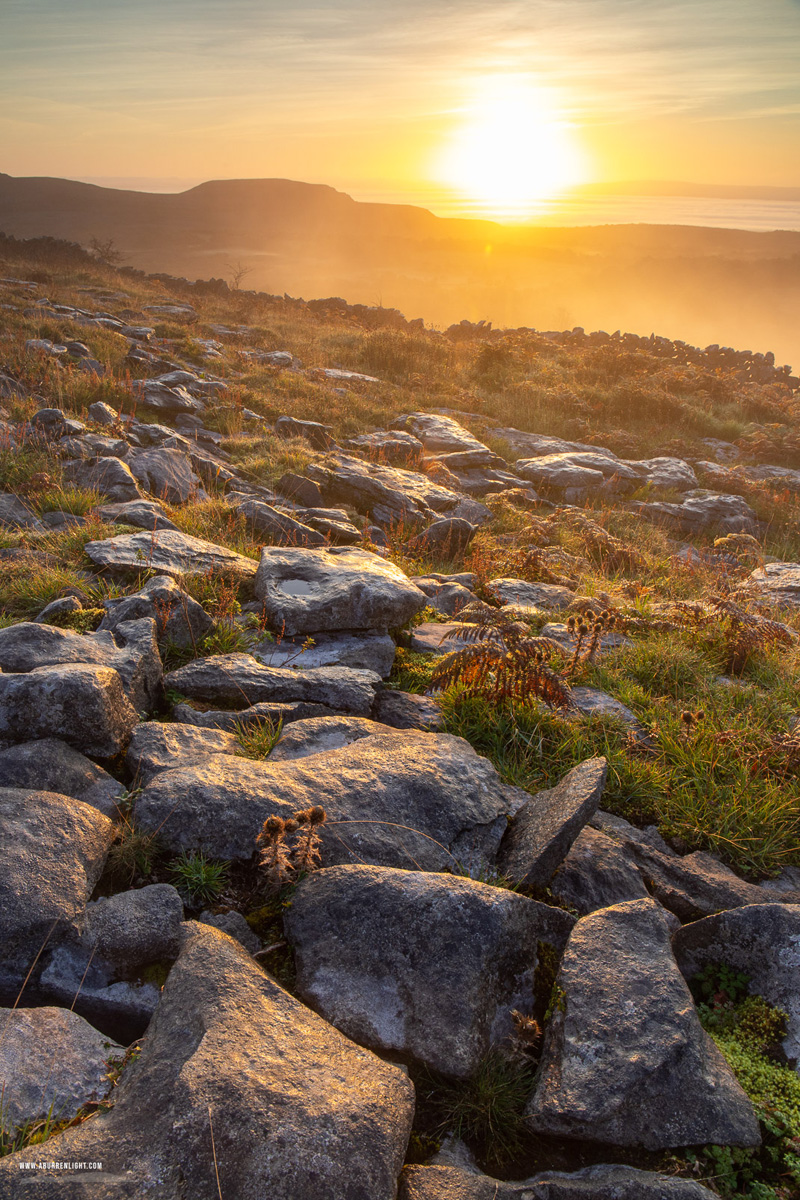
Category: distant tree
[238,271]
[107,252]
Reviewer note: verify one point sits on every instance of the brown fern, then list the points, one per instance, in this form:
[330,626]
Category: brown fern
[501,660]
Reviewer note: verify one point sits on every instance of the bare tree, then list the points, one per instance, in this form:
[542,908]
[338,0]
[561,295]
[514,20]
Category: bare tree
[238,272]
[107,252]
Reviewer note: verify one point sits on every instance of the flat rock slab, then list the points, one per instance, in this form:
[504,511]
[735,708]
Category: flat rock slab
[295,1109]
[50,765]
[241,680]
[366,651]
[131,650]
[50,1059]
[780,580]
[592,702]
[436,637]
[701,511]
[407,710]
[625,1060]
[440,434]
[398,798]
[157,746]
[762,941]
[169,552]
[52,853]
[612,1182]
[542,832]
[143,514]
[530,595]
[309,591]
[428,966]
[316,735]
[44,702]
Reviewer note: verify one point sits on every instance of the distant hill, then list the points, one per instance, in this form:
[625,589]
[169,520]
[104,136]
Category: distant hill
[702,285]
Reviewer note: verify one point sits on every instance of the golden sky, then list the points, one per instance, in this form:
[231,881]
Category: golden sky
[413,101]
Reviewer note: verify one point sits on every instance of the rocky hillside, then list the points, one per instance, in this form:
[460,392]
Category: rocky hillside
[398,753]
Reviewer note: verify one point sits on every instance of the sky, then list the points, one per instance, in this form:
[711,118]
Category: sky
[389,100]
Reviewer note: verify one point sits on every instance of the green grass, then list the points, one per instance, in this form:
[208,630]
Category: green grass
[199,880]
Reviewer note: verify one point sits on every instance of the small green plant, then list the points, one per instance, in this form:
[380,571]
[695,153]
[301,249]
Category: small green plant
[719,984]
[199,879]
[258,739]
[133,852]
[486,1111]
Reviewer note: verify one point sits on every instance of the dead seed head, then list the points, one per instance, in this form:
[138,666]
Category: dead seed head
[317,815]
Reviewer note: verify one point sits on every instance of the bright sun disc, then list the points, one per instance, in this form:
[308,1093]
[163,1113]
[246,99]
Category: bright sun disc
[512,151]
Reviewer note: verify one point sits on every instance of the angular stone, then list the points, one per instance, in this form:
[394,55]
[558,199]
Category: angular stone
[51,1061]
[762,941]
[295,1109]
[281,530]
[306,591]
[391,495]
[318,734]
[612,1182]
[780,580]
[157,397]
[388,445]
[109,476]
[540,836]
[166,474]
[625,1059]
[597,873]
[168,551]
[156,746]
[44,703]
[315,433]
[396,798]
[366,651]
[592,702]
[131,651]
[701,511]
[51,855]
[179,619]
[239,679]
[428,966]
[691,886]
[448,536]
[530,595]
[234,924]
[144,514]
[14,514]
[440,434]
[299,489]
[131,929]
[50,765]
[405,710]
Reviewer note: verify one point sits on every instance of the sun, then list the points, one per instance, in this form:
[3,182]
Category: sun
[512,151]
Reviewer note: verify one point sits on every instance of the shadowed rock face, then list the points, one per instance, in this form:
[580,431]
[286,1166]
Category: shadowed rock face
[592,1183]
[396,798]
[49,764]
[51,855]
[625,1059]
[427,965]
[308,591]
[45,702]
[294,1108]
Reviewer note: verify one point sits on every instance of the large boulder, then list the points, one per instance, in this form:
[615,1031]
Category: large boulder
[169,552]
[131,650]
[306,591]
[602,1182]
[51,1060]
[625,1059]
[540,836]
[109,476]
[50,765]
[166,474]
[241,680]
[239,1089]
[51,855]
[45,702]
[396,798]
[428,966]
[762,941]
[702,510]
